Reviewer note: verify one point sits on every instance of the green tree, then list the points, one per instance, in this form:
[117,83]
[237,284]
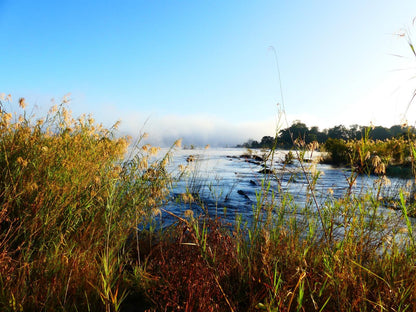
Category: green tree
[267,141]
[338,132]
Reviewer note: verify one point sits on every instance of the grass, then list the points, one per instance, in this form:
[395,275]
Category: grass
[374,157]
[72,204]
[69,203]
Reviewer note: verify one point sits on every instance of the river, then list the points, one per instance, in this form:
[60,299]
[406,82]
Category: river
[229,184]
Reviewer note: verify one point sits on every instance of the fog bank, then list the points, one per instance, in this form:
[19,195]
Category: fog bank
[196,130]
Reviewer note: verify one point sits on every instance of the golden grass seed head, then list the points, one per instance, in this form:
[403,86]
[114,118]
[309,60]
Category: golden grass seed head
[143,164]
[66,98]
[380,169]
[178,143]
[151,201]
[386,181]
[81,119]
[156,212]
[116,125]
[7,117]
[115,173]
[121,146]
[154,150]
[22,103]
[376,161]
[40,122]
[189,213]
[403,230]
[299,142]
[53,109]
[313,146]
[32,187]
[165,162]
[22,162]
[66,116]
[187,198]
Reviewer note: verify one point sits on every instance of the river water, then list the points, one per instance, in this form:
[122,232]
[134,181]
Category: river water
[228,185]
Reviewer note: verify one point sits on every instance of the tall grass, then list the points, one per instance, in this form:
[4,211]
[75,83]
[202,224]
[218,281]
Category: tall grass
[78,233]
[69,204]
[341,254]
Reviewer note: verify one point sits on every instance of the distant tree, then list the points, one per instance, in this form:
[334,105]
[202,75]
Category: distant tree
[322,136]
[267,141]
[315,135]
[297,130]
[255,144]
[338,132]
[380,133]
[285,138]
[400,130]
[397,130]
[250,144]
[356,132]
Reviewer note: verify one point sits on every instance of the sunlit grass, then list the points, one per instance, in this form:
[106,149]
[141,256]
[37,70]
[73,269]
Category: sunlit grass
[69,202]
[345,254]
[78,232]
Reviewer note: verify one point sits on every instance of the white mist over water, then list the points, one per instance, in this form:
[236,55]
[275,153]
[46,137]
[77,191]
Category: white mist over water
[197,130]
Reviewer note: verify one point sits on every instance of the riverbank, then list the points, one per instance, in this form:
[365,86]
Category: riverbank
[82,228]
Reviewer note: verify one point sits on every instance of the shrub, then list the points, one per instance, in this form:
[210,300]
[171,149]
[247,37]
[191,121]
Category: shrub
[337,150]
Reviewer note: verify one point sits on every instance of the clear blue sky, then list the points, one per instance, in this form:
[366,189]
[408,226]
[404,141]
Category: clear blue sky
[203,70]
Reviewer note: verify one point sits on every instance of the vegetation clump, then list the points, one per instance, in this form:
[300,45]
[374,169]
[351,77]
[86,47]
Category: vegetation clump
[287,137]
[373,156]
[69,201]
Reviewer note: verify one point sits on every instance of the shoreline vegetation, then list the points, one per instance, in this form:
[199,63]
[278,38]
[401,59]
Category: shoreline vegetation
[369,150]
[79,230]
[298,131]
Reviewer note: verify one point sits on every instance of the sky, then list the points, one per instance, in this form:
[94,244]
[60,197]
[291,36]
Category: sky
[208,71]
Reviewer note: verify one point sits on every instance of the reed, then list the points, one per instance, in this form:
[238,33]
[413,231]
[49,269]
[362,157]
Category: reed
[78,231]
[70,202]
[346,254]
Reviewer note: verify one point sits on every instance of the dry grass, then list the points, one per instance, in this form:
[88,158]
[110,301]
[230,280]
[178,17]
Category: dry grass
[71,204]
[68,203]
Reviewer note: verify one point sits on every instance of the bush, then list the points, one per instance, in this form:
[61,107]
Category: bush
[337,150]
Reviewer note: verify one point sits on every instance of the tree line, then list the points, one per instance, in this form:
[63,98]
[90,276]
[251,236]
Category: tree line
[285,138]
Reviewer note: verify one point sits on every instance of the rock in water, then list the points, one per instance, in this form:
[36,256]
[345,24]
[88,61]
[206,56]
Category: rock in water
[241,192]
